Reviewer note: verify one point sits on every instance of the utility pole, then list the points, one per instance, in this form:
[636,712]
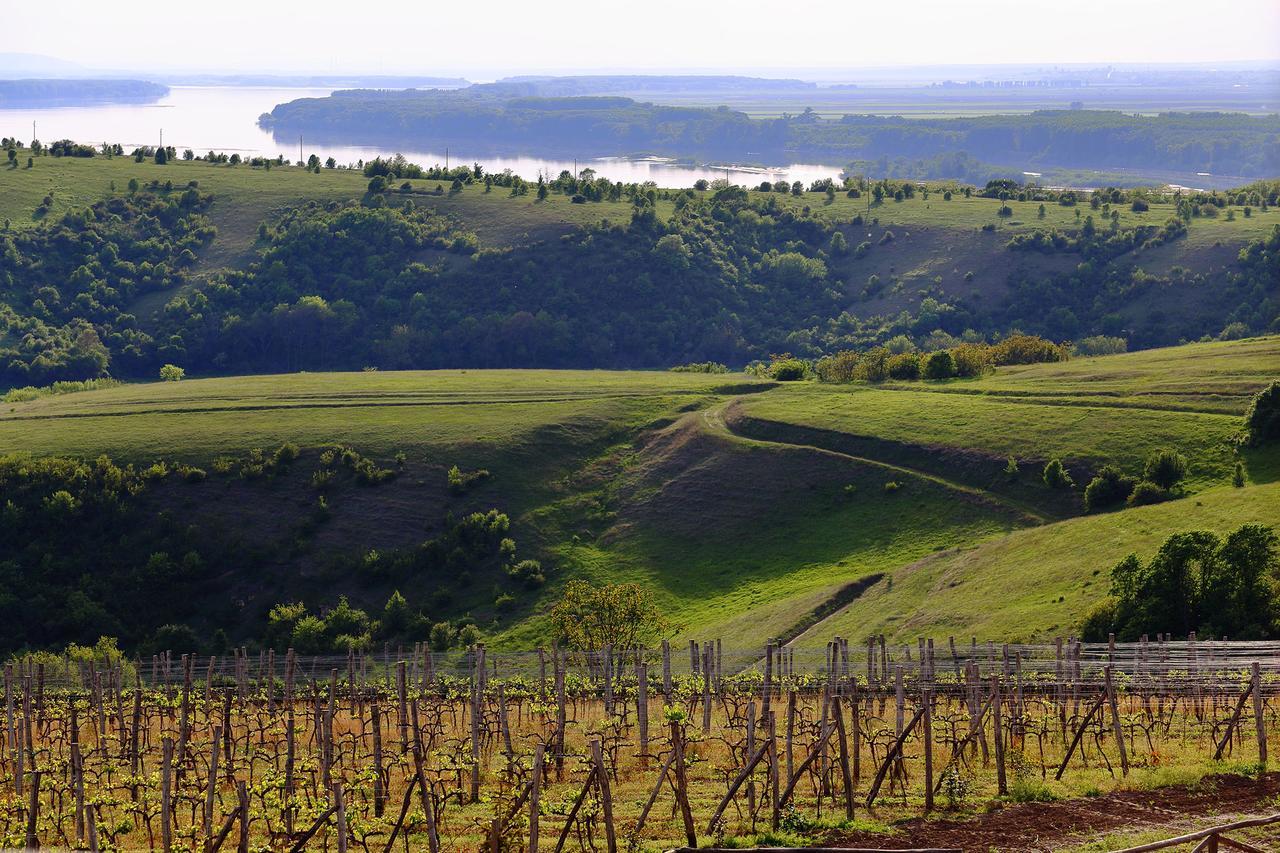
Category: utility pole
[162,137]
[446,159]
[300,161]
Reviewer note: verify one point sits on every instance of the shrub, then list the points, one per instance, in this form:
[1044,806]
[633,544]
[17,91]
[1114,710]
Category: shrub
[528,572]
[1056,477]
[504,602]
[891,487]
[940,365]
[1146,493]
[904,366]
[1139,206]
[441,636]
[1109,488]
[460,481]
[1166,468]
[172,373]
[1005,210]
[886,237]
[1100,345]
[1237,478]
[1262,421]
[700,367]
[788,369]
[1011,469]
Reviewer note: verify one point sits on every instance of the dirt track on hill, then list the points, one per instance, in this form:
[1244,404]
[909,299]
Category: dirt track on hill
[1054,826]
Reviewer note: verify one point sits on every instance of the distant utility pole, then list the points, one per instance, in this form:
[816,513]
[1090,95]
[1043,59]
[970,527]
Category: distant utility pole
[33,131]
[162,137]
[299,149]
[446,158]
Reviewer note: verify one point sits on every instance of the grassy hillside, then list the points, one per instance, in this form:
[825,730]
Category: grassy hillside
[751,508]
[1036,583]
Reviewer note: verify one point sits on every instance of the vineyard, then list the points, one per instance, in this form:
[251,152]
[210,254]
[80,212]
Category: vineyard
[409,749]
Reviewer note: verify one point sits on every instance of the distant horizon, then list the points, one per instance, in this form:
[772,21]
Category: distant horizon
[401,36]
[477,74]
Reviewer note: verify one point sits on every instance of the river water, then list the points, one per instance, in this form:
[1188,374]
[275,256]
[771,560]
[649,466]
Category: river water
[224,118]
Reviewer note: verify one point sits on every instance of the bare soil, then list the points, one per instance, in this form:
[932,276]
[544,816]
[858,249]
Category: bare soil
[1214,801]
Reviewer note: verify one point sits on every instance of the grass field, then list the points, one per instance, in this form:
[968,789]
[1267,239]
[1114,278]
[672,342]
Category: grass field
[662,479]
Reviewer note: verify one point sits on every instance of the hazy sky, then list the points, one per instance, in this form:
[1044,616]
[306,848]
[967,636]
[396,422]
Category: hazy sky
[419,36]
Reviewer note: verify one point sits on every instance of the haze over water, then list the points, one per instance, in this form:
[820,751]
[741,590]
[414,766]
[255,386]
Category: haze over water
[224,118]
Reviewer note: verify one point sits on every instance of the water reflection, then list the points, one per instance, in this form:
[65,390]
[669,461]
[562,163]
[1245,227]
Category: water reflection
[222,118]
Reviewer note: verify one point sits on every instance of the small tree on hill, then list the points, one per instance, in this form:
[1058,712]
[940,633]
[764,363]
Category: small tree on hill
[1056,477]
[172,373]
[1166,468]
[590,616]
[1262,421]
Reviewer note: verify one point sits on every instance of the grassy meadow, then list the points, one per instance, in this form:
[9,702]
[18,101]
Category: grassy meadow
[653,477]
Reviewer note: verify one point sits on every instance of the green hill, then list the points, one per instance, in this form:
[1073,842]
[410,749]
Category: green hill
[751,508]
[113,266]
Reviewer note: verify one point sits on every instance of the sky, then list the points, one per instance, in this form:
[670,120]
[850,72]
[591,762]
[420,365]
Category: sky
[426,37]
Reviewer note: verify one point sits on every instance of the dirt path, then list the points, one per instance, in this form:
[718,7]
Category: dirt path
[714,420]
[1054,826]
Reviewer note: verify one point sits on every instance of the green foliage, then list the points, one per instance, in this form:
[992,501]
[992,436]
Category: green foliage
[1146,493]
[788,369]
[589,616]
[461,481]
[1237,476]
[1196,582]
[1262,421]
[172,373]
[939,365]
[1109,488]
[1055,476]
[1166,468]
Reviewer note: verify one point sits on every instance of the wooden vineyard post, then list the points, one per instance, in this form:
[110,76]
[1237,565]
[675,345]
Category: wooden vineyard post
[1115,721]
[379,786]
[843,744]
[606,796]
[774,781]
[475,735]
[666,670]
[1259,714]
[166,796]
[998,725]
[608,678]
[535,795]
[33,812]
[242,797]
[211,792]
[558,662]
[642,711]
[682,784]
[341,816]
[706,688]
[926,721]
[766,691]
[791,730]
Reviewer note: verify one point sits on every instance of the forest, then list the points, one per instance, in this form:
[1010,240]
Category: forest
[730,276]
[598,125]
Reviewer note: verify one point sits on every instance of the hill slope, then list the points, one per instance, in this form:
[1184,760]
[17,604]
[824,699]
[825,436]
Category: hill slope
[750,508]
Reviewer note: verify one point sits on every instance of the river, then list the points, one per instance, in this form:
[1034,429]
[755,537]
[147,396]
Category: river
[225,118]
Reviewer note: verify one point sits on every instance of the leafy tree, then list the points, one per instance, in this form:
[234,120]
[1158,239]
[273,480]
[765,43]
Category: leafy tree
[172,373]
[940,365]
[1055,476]
[589,616]
[1146,493]
[1166,468]
[1262,421]
[1109,488]
[1195,582]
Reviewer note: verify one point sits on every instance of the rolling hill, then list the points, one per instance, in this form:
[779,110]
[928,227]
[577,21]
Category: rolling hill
[751,508]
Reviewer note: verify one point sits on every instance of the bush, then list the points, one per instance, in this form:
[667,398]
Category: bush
[1237,478]
[1100,345]
[1166,468]
[1109,488]
[1011,469]
[172,373]
[1262,421]
[1146,493]
[940,365]
[1056,477]
[891,487]
[788,370]
[528,572]
[904,366]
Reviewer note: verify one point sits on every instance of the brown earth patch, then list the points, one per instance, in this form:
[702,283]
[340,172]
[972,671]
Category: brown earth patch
[1052,826]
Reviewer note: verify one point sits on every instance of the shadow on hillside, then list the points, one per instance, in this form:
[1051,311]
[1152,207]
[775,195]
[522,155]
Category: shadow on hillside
[1262,464]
